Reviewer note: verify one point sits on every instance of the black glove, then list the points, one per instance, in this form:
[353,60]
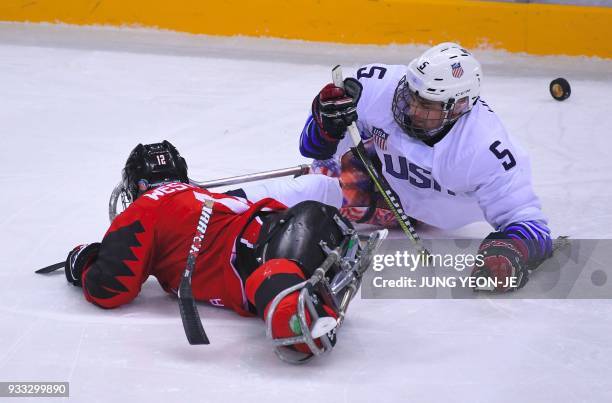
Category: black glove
[334,108]
[503,259]
[78,259]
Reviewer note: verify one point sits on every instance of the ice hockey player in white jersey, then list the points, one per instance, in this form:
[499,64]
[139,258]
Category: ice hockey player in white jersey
[442,149]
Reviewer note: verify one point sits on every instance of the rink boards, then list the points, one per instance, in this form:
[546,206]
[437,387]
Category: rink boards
[542,29]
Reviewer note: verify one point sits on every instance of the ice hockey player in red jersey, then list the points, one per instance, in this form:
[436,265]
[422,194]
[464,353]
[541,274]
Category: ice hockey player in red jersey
[250,252]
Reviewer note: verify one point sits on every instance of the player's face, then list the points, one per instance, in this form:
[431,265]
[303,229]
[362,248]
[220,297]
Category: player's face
[425,114]
[422,118]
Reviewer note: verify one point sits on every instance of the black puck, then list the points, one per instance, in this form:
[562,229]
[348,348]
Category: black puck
[560,89]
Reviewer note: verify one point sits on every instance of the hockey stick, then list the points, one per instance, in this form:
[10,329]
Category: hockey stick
[189,311]
[51,268]
[233,180]
[296,171]
[380,182]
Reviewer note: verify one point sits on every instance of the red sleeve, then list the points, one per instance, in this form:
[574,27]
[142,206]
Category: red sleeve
[116,276]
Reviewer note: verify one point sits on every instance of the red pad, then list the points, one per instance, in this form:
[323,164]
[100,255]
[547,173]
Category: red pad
[281,322]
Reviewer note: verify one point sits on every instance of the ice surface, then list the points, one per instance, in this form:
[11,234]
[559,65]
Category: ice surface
[76,100]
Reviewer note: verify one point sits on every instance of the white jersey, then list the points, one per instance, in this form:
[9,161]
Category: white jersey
[475,172]
[291,191]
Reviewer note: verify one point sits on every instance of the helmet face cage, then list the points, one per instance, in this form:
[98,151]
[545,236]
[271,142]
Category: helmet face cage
[422,118]
[152,165]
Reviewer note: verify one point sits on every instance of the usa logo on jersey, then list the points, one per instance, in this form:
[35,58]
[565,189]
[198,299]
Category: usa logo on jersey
[380,137]
[457,70]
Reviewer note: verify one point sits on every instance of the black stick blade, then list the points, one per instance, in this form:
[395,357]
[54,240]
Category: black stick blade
[51,268]
[190,316]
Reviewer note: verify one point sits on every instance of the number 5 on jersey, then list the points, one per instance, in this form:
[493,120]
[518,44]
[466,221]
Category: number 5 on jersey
[508,165]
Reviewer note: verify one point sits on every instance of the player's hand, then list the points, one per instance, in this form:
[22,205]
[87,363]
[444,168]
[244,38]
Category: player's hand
[78,259]
[503,260]
[335,108]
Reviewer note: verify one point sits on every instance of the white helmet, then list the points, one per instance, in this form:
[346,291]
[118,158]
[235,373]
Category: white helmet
[439,87]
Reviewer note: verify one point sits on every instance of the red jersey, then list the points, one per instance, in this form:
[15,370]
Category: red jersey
[153,236]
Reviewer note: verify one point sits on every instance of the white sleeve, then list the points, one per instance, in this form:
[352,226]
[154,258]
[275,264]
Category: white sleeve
[506,196]
[484,162]
[291,191]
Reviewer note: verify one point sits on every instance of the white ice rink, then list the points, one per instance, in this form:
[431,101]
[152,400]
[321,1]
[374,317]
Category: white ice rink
[73,103]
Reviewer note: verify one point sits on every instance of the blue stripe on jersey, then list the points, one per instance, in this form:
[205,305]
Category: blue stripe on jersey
[313,145]
[538,235]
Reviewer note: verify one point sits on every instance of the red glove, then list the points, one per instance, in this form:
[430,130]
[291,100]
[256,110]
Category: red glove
[505,260]
[335,108]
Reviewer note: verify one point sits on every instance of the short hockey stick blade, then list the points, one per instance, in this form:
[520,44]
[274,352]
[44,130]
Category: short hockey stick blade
[51,268]
[560,242]
[190,316]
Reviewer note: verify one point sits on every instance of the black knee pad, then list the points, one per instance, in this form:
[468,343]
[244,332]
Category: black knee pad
[296,234]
